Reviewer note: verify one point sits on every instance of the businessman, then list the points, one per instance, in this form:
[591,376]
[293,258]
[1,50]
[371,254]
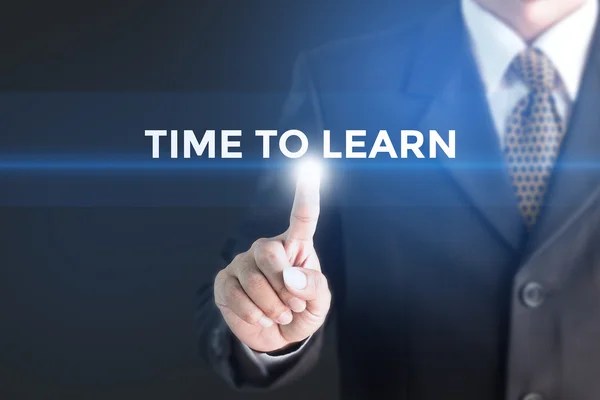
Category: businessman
[469,278]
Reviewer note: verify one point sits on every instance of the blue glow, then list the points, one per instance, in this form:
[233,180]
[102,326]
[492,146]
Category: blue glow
[120,165]
[181,165]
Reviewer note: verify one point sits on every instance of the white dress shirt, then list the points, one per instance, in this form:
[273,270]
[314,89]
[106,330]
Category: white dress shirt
[495,45]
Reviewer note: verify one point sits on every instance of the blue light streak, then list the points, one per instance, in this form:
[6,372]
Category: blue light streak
[82,165]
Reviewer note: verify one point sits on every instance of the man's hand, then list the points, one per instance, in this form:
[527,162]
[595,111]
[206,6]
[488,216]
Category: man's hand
[274,294]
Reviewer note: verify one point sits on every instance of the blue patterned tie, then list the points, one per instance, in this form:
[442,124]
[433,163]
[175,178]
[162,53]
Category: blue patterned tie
[534,132]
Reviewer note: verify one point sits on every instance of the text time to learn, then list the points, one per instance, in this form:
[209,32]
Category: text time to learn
[410,142]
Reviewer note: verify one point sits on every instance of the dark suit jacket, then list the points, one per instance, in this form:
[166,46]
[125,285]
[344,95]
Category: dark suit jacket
[439,292]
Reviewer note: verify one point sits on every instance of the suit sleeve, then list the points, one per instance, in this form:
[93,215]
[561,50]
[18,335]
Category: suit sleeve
[269,216]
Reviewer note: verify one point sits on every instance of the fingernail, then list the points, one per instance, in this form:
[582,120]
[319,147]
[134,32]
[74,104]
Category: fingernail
[265,322]
[285,318]
[297,305]
[294,278]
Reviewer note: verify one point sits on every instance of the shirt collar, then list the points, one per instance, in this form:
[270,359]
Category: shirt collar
[495,44]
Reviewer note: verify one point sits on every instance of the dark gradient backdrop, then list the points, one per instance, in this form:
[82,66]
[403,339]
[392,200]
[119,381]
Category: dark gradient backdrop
[97,303]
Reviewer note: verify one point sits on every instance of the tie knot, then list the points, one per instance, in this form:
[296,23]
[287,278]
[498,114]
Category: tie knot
[535,69]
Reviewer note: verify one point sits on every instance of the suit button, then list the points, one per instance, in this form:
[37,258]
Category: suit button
[533,396]
[532,296]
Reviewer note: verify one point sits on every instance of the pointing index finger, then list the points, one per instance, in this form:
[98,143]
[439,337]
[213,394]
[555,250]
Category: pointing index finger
[306,207]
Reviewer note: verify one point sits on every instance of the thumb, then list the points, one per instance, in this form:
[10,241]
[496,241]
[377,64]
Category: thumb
[310,285]
[295,279]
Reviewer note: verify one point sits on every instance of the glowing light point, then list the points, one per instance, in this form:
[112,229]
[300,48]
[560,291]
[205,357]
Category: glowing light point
[309,172]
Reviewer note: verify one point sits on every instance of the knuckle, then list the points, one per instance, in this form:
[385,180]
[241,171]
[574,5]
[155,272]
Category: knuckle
[219,284]
[239,258]
[304,219]
[235,295]
[283,292]
[238,261]
[258,243]
[274,310]
[270,246]
[242,265]
[267,253]
[250,315]
[255,281]
[219,278]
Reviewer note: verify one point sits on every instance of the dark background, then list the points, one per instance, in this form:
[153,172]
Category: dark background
[97,302]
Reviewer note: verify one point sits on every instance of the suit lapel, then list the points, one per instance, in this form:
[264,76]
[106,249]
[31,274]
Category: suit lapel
[445,71]
[576,175]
